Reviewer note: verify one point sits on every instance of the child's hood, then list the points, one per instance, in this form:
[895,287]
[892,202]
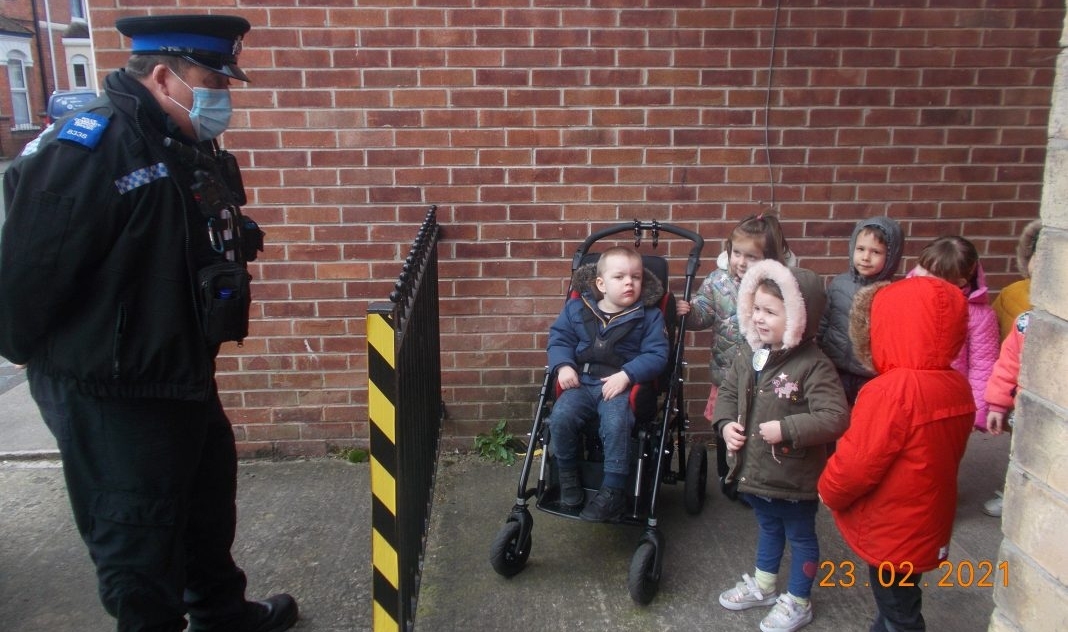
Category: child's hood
[583,282]
[803,298]
[915,323]
[1025,246]
[895,244]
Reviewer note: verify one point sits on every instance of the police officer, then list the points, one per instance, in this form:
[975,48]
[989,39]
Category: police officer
[121,272]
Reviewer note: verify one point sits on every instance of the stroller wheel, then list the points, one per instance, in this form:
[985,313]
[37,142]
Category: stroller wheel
[696,479]
[507,555]
[643,580]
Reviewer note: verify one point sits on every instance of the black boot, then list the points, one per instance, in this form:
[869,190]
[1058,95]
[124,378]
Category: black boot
[275,614]
[571,492]
[607,506]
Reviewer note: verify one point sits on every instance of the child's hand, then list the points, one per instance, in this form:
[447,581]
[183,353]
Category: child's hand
[771,431]
[995,422]
[682,307]
[614,385]
[567,377]
[734,436]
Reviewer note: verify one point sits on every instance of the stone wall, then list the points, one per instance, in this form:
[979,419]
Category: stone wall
[1036,489]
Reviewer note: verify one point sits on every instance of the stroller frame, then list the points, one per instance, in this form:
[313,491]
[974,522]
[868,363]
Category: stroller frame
[654,446]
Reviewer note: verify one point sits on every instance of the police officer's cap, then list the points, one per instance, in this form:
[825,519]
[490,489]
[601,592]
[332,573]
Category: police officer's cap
[209,41]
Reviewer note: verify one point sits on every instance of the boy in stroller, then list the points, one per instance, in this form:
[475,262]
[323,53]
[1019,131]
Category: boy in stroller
[610,337]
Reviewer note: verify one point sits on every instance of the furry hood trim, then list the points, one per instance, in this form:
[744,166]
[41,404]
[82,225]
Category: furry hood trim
[860,322]
[1025,247]
[916,323]
[583,281]
[803,298]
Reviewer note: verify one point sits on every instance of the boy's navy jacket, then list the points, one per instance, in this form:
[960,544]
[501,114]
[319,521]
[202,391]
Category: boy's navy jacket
[644,348]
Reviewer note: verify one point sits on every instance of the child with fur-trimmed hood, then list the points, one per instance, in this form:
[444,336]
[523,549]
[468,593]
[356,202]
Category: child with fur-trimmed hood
[779,406]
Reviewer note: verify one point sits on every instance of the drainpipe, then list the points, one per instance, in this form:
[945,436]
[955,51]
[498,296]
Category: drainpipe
[40,54]
[51,46]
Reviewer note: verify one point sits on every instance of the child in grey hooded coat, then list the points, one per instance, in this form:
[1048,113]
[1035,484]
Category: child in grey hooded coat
[874,255]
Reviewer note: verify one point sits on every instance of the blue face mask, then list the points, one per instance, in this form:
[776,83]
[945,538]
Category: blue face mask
[211,111]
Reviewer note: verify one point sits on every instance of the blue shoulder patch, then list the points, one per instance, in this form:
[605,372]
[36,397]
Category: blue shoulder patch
[85,129]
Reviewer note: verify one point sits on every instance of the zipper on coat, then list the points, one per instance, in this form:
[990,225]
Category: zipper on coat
[120,327]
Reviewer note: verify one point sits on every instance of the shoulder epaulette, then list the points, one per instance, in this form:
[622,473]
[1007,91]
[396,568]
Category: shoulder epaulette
[85,128]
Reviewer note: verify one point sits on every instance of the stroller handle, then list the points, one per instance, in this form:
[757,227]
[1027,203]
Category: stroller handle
[638,228]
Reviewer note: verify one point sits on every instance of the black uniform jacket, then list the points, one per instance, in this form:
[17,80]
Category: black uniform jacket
[99,254]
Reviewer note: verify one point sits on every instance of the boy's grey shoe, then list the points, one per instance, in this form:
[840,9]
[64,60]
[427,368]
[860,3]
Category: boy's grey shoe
[571,492]
[607,506]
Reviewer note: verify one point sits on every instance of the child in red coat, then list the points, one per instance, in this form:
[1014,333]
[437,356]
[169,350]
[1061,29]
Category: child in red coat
[892,482]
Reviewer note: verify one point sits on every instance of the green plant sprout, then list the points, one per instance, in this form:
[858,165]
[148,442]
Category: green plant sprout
[499,445]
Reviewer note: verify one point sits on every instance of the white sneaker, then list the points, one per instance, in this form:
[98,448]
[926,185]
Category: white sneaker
[745,594]
[992,507]
[787,616]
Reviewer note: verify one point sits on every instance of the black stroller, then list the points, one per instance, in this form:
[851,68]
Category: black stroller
[659,432]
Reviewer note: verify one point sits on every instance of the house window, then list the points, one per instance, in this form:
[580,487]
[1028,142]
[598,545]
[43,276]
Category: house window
[77,10]
[20,96]
[79,71]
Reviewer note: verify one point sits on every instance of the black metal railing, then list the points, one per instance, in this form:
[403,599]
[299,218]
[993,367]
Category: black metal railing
[406,411]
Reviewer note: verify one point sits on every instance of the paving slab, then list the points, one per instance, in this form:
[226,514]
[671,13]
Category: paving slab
[303,528]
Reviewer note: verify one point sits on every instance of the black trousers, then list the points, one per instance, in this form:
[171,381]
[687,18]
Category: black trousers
[899,607]
[152,484]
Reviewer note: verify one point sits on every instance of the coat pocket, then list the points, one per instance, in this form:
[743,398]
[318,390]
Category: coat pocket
[225,297]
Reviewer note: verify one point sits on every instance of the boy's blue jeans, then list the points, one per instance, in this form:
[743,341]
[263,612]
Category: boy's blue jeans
[574,408]
[780,521]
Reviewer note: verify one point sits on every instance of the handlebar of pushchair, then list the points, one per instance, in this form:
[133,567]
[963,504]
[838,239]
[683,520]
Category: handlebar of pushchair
[638,228]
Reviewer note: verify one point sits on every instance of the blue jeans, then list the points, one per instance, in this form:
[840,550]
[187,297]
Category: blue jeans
[780,521]
[574,408]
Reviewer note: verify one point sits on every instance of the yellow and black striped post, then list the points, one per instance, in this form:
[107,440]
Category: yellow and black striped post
[405,410]
[382,411]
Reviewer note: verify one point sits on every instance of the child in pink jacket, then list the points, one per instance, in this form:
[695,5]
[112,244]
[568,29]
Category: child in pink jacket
[1001,391]
[956,260]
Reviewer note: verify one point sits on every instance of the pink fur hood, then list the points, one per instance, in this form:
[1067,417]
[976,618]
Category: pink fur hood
[803,296]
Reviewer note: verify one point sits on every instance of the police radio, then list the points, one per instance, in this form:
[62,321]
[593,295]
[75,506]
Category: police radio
[219,192]
[223,286]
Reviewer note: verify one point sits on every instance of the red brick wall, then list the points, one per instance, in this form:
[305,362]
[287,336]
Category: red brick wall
[532,123]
